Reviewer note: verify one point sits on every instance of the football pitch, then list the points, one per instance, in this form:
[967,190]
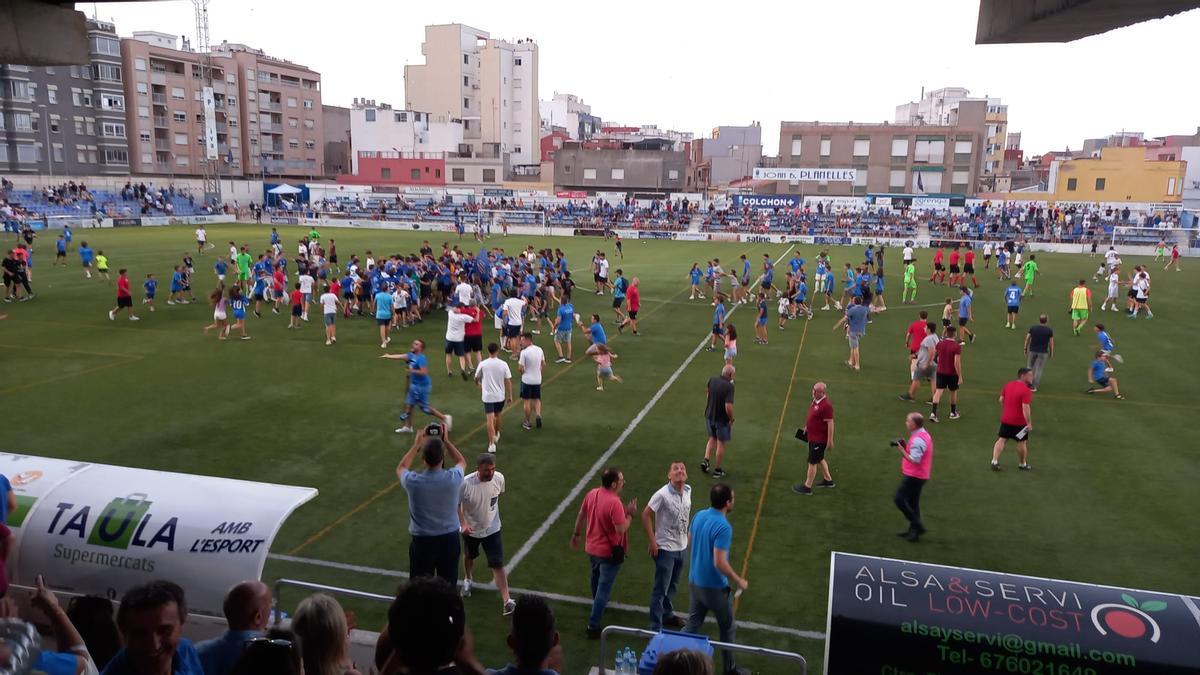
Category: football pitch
[1112,498]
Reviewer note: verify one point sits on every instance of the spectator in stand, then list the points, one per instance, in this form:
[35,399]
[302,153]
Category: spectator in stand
[426,633]
[607,522]
[433,497]
[247,610]
[151,618]
[533,640]
[73,657]
[324,636]
[276,653]
[684,662]
[92,616]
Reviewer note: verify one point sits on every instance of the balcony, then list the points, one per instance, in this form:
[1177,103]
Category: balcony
[158,99]
[161,167]
[160,121]
[162,144]
[277,106]
[271,128]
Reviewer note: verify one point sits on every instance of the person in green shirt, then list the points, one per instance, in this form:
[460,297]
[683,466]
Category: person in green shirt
[1030,270]
[243,265]
[102,265]
[910,284]
[314,235]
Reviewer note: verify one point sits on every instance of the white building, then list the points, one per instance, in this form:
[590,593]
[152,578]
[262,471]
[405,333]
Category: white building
[490,85]
[378,127]
[570,112]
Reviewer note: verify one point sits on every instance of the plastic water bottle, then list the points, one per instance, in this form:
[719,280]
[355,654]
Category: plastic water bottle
[619,666]
[631,660]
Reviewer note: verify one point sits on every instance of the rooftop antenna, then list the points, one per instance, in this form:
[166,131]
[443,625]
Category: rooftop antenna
[212,183]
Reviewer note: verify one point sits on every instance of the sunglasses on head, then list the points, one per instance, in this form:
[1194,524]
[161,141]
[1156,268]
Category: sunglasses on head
[274,642]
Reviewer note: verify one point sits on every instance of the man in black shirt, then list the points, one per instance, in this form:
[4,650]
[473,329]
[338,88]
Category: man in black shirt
[1039,347]
[718,418]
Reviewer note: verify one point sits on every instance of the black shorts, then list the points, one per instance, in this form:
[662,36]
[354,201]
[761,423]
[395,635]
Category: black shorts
[939,266]
[1013,309]
[531,392]
[493,549]
[124,301]
[633,314]
[987,256]
[945,323]
[597,278]
[617,302]
[1010,431]
[962,320]
[297,310]
[455,348]
[969,268]
[333,260]
[946,382]
[60,254]
[1131,293]
[766,285]
[382,322]
[816,453]
[493,408]
[954,269]
[473,343]
[511,331]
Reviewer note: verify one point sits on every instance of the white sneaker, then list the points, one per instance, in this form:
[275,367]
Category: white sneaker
[327,342]
[497,435]
[404,430]
[110,316]
[466,588]
[450,424]
[491,448]
[382,345]
[135,318]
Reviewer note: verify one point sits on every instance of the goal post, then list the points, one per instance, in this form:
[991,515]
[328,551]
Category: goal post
[496,221]
[1132,235]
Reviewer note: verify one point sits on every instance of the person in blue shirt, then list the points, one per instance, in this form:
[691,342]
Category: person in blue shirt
[965,314]
[150,287]
[433,500]
[383,313]
[855,321]
[695,275]
[619,285]
[869,256]
[220,268]
[711,573]
[796,263]
[68,234]
[259,291]
[596,335]
[86,256]
[564,320]
[829,281]
[239,303]
[801,297]
[419,386]
[60,246]
[274,237]
[849,281]
[247,609]
[760,321]
[157,609]
[1106,343]
[745,272]
[1099,374]
[1012,299]
[718,322]
[878,302]
[768,273]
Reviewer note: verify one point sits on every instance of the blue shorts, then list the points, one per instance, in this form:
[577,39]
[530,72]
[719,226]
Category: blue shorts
[149,296]
[721,432]
[762,321]
[418,397]
[717,330]
[330,318]
[493,408]
[562,336]
[239,315]
[1102,383]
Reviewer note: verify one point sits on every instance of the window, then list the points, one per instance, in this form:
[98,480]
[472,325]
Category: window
[369,114]
[90,125]
[1170,185]
[291,102]
[1099,184]
[181,161]
[308,124]
[293,122]
[112,156]
[310,145]
[960,177]
[385,173]
[825,146]
[466,82]
[900,149]
[896,176]
[51,94]
[3,153]
[466,104]
[22,122]
[143,111]
[142,88]
[927,181]
[860,177]
[106,45]
[618,174]
[1071,184]
[177,92]
[489,176]
[144,136]
[962,147]
[55,124]
[87,99]
[589,174]
[112,101]
[414,174]
[929,150]
[457,175]
[466,59]
[403,117]
[179,116]
[27,154]
[862,147]
[293,144]
[517,61]
[108,72]
[139,64]
[181,139]
[308,104]
[19,90]
[673,174]
[58,152]
[250,74]
[796,146]
[112,130]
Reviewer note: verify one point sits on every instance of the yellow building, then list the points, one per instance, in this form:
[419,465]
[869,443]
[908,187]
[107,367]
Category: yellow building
[1118,175]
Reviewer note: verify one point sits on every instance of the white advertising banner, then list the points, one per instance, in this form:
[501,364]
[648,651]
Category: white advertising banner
[836,202]
[611,197]
[924,203]
[793,174]
[690,196]
[102,529]
[210,123]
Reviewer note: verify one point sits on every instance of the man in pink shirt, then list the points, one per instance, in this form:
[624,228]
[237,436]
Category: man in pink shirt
[607,521]
[916,461]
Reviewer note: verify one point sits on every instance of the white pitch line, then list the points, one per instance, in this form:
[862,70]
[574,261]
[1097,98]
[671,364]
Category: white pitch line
[557,597]
[603,459]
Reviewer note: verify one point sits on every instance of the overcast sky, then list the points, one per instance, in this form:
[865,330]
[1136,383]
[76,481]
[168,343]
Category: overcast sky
[693,66]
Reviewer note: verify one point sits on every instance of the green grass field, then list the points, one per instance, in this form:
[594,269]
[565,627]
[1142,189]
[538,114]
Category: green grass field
[1110,499]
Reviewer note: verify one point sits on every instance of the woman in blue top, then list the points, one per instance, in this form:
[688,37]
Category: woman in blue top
[695,275]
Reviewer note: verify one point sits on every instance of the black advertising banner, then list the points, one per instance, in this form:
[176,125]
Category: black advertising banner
[896,617]
[127,222]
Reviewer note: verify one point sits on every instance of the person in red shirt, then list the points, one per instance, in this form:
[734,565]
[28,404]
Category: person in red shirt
[297,306]
[1016,418]
[913,337]
[124,297]
[473,336]
[939,270]
[948,375]
[818,432]
[607,521]
[633,296]
[955,270]
[969,266]
[277,283]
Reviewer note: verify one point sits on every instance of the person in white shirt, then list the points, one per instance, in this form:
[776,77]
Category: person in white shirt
[531,362]
[907,254]
[306,286]
[512,311]
[665,520]
[1114,285]
[495,382]
[601,273]
[987,254]
[479,518]
[463,291]
[329,309]
[456,337]
[201,239]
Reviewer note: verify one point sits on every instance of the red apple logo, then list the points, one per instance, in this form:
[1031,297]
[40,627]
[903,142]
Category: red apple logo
[1130,620]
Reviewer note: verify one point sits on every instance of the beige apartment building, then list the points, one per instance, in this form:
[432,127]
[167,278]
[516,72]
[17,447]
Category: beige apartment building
[268,111]
[888,158]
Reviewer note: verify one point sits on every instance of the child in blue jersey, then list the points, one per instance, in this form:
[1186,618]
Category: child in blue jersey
[828,286]
[718,327]
[800,299]
[239,304]
[695,275]
[1106,343]
[86,256]
[220,268]
[259,290]
[176,288]
[760,322]
[149,287]
[1012,298]
[1100,375]
[877,303]
[60,247]
[849,283]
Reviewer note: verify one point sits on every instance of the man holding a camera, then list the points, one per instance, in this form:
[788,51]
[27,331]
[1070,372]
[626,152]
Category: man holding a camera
[433,497]
[916,461]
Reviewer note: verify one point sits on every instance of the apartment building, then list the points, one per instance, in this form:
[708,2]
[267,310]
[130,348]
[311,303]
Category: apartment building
[571,113]
[728,155]
[643,172]
[66,120]
[489,85]
[335,123]
[377,127]
[888,158]
[940,107]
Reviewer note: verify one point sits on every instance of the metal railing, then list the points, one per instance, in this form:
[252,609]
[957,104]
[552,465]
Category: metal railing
[727,646]
[277,594]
